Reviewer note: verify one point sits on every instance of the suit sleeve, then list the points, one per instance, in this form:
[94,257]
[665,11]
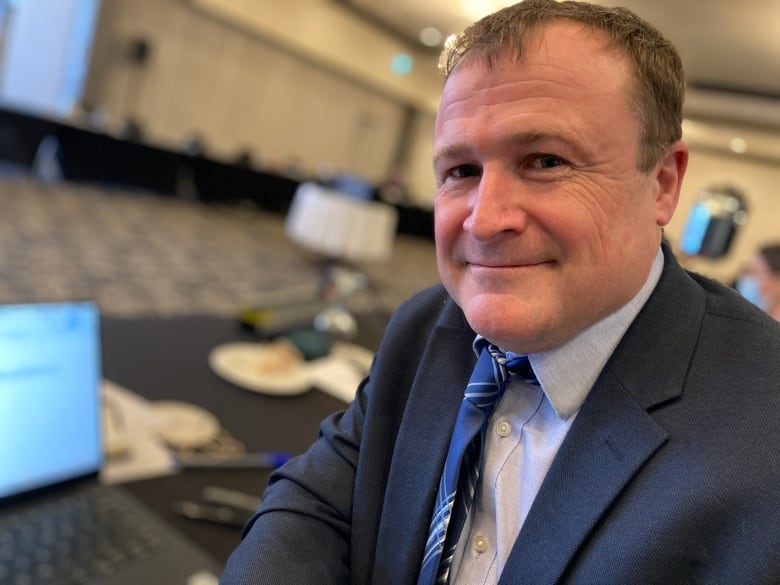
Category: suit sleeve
[301,533]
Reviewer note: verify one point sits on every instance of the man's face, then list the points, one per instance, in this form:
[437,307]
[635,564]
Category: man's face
[543,222]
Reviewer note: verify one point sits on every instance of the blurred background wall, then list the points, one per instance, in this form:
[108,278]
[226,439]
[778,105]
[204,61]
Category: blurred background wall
[294,82]
[307,86]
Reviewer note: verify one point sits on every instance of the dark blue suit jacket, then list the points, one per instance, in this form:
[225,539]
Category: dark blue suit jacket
[669,474]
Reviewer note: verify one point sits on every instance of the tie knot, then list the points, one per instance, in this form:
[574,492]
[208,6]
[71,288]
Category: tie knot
[521,367]
[518,365]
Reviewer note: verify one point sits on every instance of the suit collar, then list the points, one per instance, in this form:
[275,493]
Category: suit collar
[652,359]
[568,372]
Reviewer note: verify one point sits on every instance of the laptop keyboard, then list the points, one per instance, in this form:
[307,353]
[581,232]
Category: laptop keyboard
[76,539]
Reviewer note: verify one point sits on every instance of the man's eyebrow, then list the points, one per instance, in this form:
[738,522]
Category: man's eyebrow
[464,150]
[451,151]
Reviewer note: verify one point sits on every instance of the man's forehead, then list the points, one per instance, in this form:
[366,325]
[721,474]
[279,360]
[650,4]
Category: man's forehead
[508,76]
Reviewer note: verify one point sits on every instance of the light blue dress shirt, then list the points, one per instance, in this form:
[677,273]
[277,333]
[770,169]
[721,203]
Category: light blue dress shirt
[525,433]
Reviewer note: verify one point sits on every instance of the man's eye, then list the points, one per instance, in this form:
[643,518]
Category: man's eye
[546,161]
[464,171]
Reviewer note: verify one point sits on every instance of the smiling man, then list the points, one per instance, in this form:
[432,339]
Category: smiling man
[570,406]
[546,219]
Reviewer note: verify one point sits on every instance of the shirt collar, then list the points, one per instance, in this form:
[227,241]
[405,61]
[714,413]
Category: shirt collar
[568,372]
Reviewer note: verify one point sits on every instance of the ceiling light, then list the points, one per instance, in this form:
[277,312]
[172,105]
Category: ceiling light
[738,145]
[401,64]
[430,36]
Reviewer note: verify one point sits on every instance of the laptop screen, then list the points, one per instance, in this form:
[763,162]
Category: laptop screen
[50,423]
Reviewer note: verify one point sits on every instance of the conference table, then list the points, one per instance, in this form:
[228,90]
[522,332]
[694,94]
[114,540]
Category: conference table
[167,359]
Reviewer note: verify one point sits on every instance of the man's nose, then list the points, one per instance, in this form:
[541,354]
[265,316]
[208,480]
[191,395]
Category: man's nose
[495,206]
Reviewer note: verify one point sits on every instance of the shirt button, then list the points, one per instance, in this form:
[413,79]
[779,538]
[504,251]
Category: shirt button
[504,429]
[480,543]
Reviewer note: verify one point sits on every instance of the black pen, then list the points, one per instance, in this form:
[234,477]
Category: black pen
[224,515]
[260,460]
[227,497]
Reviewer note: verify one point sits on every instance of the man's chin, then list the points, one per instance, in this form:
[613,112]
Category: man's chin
[506,321]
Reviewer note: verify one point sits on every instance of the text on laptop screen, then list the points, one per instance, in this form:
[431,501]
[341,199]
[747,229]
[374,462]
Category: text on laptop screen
[50,375]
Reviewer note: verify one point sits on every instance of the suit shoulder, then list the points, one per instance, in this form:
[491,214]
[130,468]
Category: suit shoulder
[725,303]
[429,302]
[736,332]
[422,312]
[435,295]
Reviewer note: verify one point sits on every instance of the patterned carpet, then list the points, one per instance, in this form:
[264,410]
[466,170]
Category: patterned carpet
[144,254]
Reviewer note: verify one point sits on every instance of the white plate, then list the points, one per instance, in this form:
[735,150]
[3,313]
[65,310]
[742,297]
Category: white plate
[185,426]
[242,365]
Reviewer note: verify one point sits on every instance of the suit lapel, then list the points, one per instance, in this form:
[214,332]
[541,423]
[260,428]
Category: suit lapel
[419,454]
[613,436]
[608,443]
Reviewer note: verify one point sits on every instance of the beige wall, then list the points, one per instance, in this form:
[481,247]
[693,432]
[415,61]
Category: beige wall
[223,82]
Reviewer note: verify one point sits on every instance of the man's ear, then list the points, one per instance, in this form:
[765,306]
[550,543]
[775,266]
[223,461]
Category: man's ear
[669,173]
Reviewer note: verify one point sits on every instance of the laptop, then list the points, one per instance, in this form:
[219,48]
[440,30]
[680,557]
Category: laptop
[58,524]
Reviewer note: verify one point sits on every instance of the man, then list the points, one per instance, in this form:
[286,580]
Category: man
[642,448]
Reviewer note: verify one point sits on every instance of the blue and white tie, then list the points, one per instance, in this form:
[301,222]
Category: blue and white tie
[461,468]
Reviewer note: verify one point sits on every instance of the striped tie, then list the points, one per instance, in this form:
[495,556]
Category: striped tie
[461,468]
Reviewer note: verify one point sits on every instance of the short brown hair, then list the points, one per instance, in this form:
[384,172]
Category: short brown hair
[657,68]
